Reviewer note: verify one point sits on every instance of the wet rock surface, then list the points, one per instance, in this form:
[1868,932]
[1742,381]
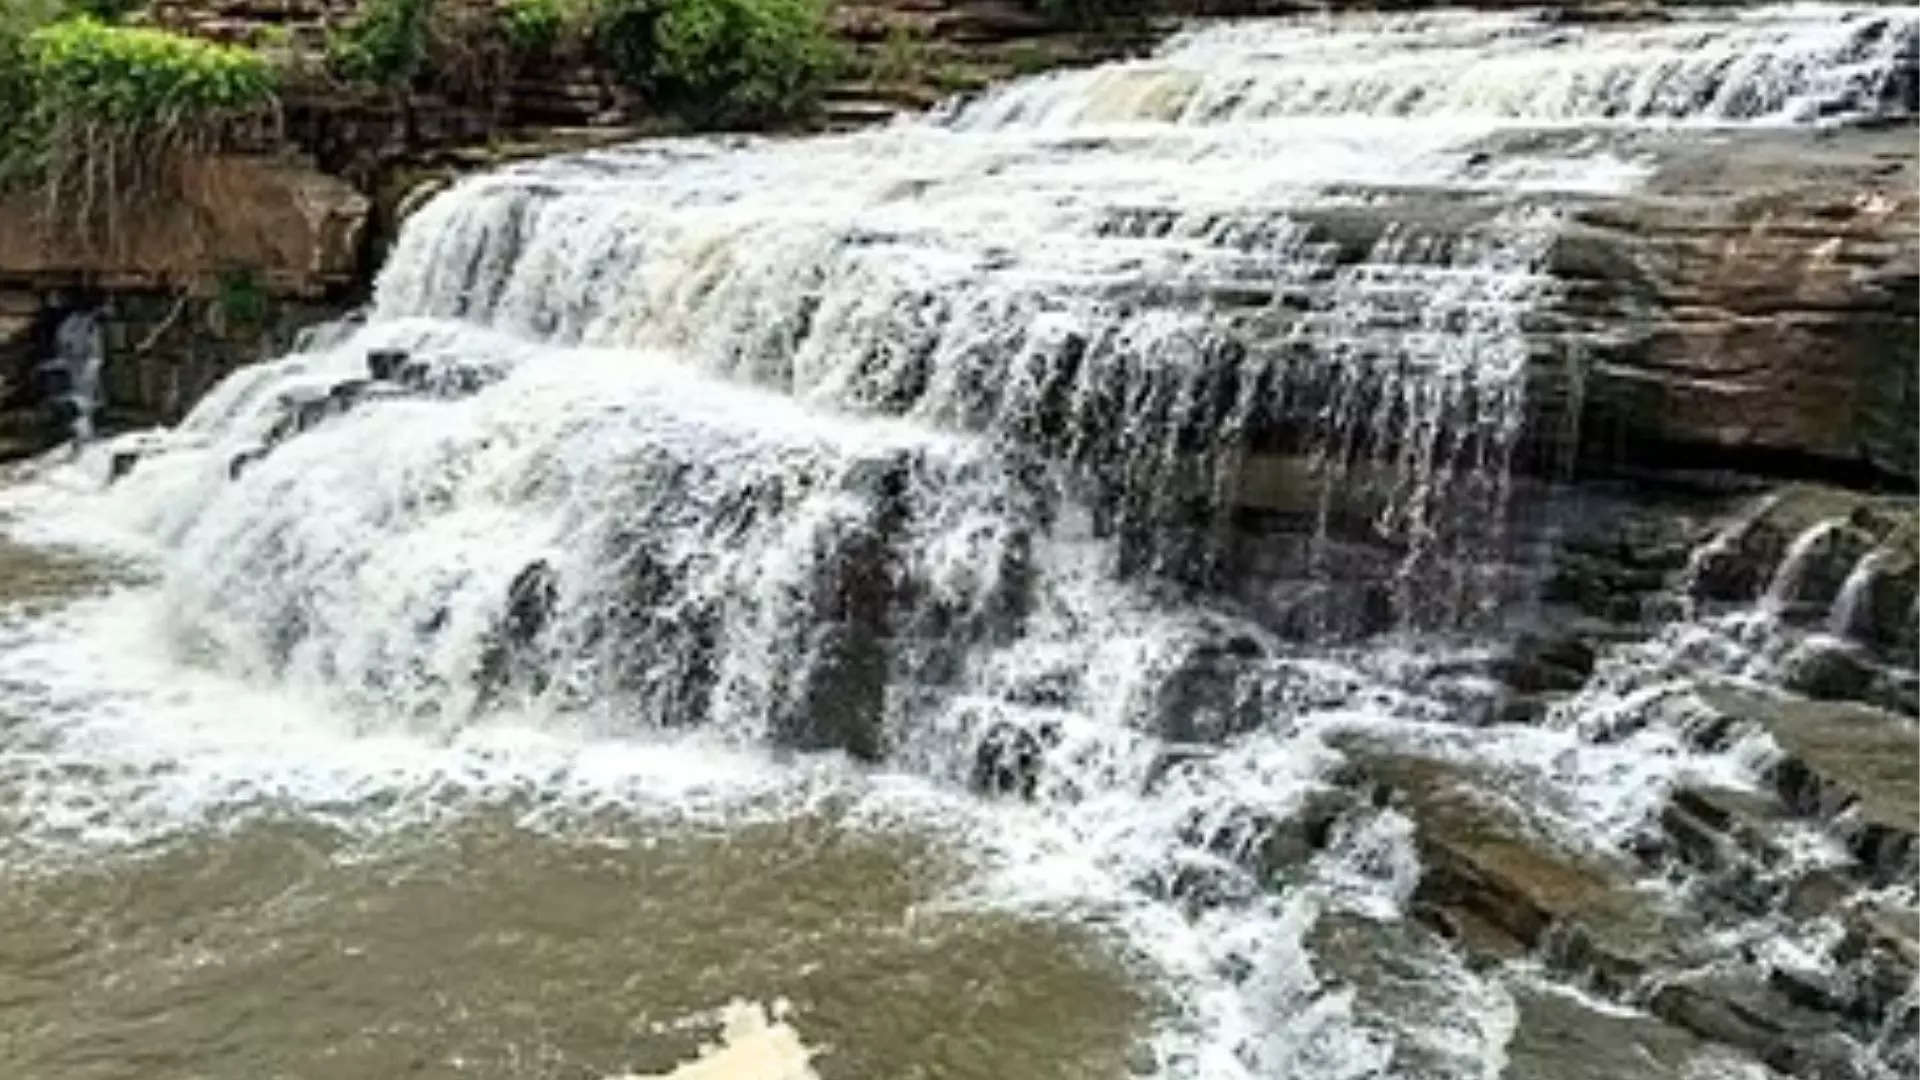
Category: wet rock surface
[1643,928]
[1561,1036]
[1500,884]
[1849,764]
[1776,277]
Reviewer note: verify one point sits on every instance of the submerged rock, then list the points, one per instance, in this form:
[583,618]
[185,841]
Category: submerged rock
[1009,758]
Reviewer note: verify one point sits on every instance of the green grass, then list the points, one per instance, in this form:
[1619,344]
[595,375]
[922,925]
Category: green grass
[103,115]
[720,63]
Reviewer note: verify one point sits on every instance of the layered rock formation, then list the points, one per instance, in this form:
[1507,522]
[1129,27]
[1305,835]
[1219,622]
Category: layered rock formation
[295,228]
[1755,307]
[254,248]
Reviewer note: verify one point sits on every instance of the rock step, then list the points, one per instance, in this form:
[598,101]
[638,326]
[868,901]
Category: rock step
[1559,1035]
[1496,882]
[1849,765]
[1497,885]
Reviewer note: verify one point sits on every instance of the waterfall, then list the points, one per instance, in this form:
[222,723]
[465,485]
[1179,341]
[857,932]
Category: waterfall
[1845,613]
[1771,66]
[1017,456]
[72,373]
[1784,587]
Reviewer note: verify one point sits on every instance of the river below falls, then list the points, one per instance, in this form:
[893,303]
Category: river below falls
[458,914]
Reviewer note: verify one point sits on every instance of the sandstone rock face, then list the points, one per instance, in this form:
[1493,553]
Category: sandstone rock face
[1755,306]
[294,227]
[1846,762]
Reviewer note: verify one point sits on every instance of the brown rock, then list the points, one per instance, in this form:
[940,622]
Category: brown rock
[1488,867]
[1848,762]
[296,228]
[1761,294]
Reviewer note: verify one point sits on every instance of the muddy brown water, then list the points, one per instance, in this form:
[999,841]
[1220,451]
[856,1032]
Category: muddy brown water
[484,950]
[279,946]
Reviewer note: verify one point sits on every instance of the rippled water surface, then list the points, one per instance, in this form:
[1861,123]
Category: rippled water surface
[482,949]
[489,940]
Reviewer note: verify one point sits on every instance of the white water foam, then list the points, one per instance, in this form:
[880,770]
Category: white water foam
[1777,65]
[756,1043]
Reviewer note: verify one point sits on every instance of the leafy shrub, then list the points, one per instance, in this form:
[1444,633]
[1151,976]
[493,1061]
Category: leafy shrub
[19,18]
[385,44]
[83,68]
[1027,58]
[623,37]
[467,54]
[720,62]
[242,300]
[104,10]
[272,36]
[104,114]
[533,26]
[462,47]
[902,54]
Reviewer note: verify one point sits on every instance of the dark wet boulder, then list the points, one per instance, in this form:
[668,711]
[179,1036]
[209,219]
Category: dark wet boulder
[1616,555]
[1009,758]
[1273,845]
[842,700]
[299,412]
[1744,1011]
[385,364]
[1802,542]
[1214,691]
[1537,663]
[1563,1036]
[443,377]
[530,600]
[1880,604]
[512,656]
[121,464]
[347,393]
[1196,882]
[1827,669]
[841,695]
[1502,885]
[242,461]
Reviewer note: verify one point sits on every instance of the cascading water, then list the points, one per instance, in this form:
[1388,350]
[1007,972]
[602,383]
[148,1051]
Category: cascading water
[933,445]
[1773,66]
[72,373]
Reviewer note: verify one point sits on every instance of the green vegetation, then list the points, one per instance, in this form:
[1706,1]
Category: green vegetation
[101,116]
[713,62]
[105,10]
[955,78]
[720,62]
[1027,58]
[386,44]
[533,26]
[18,19]
[83,69]
[902,55]
[242,300]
